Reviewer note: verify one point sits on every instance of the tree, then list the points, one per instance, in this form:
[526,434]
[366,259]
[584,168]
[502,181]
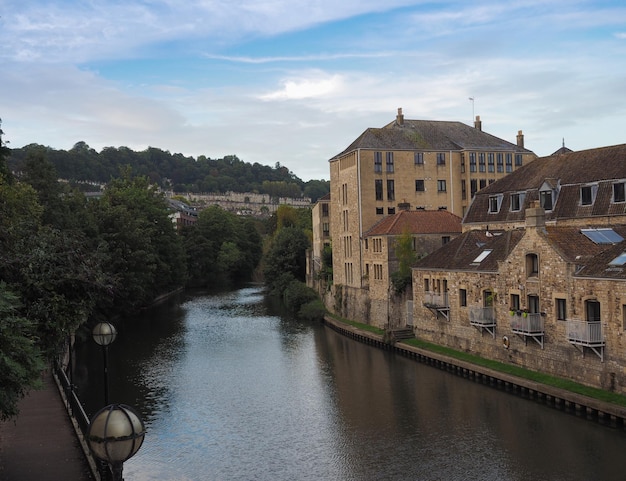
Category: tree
[286,255]
[406,258]
[20,359]
[5,171]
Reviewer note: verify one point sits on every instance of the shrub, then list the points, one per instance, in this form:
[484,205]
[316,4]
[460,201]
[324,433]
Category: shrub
[312,311]
[297,294]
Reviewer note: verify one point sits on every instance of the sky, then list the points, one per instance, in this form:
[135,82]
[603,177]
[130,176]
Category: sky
[296,81]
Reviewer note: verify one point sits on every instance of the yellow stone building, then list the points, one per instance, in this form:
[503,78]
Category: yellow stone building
[409,165]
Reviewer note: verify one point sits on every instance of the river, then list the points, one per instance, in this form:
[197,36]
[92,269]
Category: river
[231,389]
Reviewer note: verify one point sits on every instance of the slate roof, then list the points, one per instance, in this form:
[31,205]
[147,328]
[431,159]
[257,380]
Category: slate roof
[417,222]
[433,135]
[591,259]
[460,253]
[569,170]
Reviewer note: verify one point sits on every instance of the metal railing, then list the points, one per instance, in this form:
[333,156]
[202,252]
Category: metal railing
[437,299]
[586,333]
[527,323]
[482,316]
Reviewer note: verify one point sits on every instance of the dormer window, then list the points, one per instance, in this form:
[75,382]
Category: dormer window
[495,201]
[545,199]
[517,201]
[588,194]
[619,192]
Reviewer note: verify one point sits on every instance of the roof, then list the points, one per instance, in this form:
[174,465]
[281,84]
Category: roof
[417,222]
[434,135]
[591,259]
[565,172]
[462,253]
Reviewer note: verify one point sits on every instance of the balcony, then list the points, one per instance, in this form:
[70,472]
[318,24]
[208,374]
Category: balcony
[483,318]
[586,334]
[528,325]
[438,303]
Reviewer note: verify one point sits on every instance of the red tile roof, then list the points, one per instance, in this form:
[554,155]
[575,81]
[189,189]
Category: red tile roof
[417,222]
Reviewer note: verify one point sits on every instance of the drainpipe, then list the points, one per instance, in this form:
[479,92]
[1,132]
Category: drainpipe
[358,189]
[451,186]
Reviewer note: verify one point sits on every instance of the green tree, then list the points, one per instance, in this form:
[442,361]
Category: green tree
[20,359]
[5,171]
[406,258]
[286,255]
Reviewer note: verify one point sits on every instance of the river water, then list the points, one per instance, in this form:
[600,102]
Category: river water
[230,389]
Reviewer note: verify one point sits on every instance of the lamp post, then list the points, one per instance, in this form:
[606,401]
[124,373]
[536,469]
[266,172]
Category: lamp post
[104,333]
[115,434]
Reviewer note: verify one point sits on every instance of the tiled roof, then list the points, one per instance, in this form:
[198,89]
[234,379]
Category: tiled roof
[569,171]
[462,252]
[591,259]
[434,135]
[417,222]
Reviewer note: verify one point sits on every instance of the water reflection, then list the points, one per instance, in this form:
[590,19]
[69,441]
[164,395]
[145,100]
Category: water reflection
[230,390]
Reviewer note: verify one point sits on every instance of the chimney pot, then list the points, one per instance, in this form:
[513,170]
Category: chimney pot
[400,117]
[478,124]
[520,139]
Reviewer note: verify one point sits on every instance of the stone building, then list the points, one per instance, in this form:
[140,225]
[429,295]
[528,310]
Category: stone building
[409,165]
[429,230]
[538,277]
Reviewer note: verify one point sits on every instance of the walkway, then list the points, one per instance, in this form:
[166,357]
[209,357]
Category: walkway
[41,443]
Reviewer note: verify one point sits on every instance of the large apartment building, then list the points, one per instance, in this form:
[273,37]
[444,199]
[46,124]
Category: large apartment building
[409,165]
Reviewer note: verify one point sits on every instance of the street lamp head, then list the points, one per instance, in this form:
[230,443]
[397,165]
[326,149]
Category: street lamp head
[104,333]
[115,433]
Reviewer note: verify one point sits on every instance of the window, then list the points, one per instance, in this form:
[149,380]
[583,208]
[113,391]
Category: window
[588,194]
[500,162]
[445,239]
[419,185]
[473,187]
[490,162]
[602,235]
[481,162]
[487,298]
[561,309]
[324,210]
[545,199]
[344,194]
[509,163]
[326,228]
[515,306]
[391,210]
[378,162]
[532,265]
[533,304]
[379,211]
[441,186]
[517,199]
[494,203]
[592,311]
[418,157]
[378,186]
[518,160]
[462,297]
[462,163]
[441,158]
[482,256]
[391,194]
[620,260]
[389,161]
[619,192]
[483,183]
[426,285]
[463,190]
[472,161]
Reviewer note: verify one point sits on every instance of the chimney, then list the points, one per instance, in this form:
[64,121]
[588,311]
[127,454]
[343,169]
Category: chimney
[520,139]
[400,117]
[478,124]
[535,216]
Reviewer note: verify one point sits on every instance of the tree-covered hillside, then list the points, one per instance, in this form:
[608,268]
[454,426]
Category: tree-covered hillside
[173,171]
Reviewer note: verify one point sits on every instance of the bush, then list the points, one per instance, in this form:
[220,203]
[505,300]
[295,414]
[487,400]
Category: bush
[312,311]
[297,294]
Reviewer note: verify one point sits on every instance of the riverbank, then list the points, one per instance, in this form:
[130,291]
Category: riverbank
[576,403]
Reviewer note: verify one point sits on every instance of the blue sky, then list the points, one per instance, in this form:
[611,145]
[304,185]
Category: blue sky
[296,81]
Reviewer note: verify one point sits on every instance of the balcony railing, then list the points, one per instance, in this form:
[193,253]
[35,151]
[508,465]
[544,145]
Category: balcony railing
[482,316]
[585,333]
[436,299]
[527,323]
